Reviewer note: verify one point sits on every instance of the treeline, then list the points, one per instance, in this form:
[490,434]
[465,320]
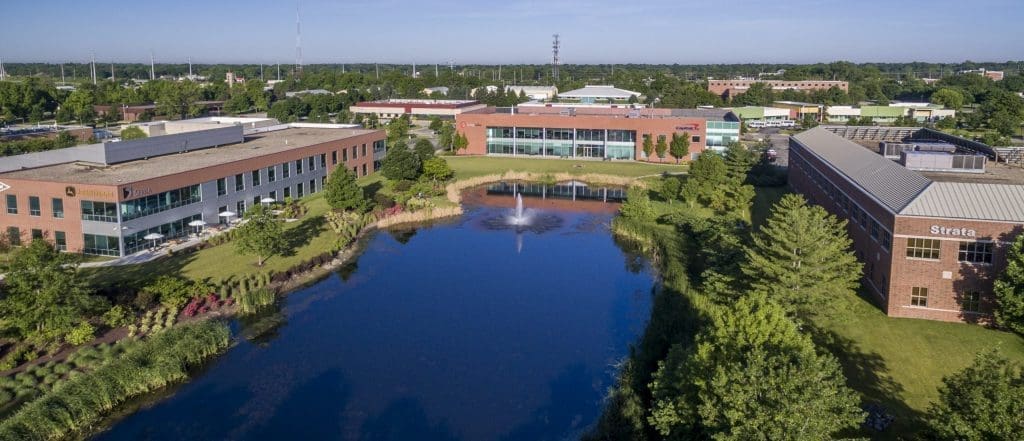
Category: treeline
[40,144]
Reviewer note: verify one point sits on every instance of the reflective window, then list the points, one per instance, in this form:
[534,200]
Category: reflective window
[12,204]
[33,206]
[923,248]
[99,211]
[101,245]
[975,252]
[167,200]
[57,204]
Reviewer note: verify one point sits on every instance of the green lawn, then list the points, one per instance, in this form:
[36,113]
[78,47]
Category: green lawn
[900,362]
[307,237]
[470,166]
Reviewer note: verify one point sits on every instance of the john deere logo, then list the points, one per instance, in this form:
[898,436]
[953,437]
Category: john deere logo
[70,191]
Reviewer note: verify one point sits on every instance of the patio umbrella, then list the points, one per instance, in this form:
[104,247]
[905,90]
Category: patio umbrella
[227,214]
[153,237]
[198,223]
[268,200]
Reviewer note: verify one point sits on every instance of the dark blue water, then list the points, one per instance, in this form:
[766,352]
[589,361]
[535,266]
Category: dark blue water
[458,331]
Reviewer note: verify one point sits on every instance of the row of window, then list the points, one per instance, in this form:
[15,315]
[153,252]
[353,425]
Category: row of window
[857,214]
[34,206]
[969,252]
[59,237]
[970,301]
[164,201]
[255,176]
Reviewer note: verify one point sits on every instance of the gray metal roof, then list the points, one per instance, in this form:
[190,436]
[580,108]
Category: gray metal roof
[599,92]
[960,200]
[709,114]
[890,183]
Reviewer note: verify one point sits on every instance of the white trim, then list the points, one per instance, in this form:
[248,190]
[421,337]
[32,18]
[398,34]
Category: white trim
[958,311]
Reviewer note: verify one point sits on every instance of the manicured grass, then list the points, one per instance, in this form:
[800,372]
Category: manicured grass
[308,237]
[470,166]
[900,362]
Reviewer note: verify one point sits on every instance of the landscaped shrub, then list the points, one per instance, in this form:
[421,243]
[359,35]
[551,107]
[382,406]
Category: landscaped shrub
[62,369]
[81,334]
[85,399]
[6,396]
[403,185]
[117,316]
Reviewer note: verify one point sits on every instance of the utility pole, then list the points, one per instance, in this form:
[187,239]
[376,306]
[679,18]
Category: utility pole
[61,73]
[92,68]
[152,67]
[278,71]
[3,73]
[436,75]
[377,67]
[261,71]
[190,68]
[414,69]
[113,78]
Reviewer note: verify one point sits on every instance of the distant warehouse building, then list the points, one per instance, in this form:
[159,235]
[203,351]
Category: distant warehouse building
[593,131]
[730,88]
[931,240]
[394,108]
[104,199]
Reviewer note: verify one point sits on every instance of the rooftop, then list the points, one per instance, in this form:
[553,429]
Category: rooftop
[155,167]
[599,92]
[997,194]
[442,104]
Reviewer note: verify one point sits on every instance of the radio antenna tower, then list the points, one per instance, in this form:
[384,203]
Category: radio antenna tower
[554,58]
[298,41]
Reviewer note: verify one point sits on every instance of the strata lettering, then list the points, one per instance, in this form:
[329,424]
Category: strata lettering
[953,231]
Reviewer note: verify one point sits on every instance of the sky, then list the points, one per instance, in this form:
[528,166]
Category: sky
[513,31]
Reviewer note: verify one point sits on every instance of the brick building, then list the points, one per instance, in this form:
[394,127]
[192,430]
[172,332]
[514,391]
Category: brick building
[592,131]
[931,243]
[104,198]
[730,88]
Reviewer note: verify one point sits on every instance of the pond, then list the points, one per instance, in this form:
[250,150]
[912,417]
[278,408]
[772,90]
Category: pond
[463,330]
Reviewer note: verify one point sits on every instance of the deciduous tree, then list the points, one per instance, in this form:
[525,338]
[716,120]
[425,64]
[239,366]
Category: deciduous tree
[133,132]
[437,170]
[1009,288]
[43,298]
[680,146]
[661,147]
[343,193]
[752,375]
[648,146]
[261,235]
[400,163]
[984,401]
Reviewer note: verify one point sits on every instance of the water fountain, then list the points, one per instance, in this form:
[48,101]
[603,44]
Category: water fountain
[519,216]
[522,219]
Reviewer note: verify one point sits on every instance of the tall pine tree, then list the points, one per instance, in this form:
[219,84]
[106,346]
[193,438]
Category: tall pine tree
[801,257]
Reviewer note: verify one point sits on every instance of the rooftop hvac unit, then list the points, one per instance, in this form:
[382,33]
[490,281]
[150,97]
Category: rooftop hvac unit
[938,161]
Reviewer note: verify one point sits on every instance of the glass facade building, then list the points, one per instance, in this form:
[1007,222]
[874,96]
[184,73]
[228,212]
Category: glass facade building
[721,133]
[561,142]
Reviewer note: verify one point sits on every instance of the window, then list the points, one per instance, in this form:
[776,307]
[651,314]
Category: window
[223,219]
[288,192]
[334,157]
[57,204]
[12,204]
[919,296]
[37,234]
[33,206]
[923,248]
[60,239]
[874,230]
[323,182]
[271,174]
[975,252]
[971,301]
[101,245]
[298,190]
[240,206]
[886,240]
[364,169]
[273,195]
[363,152]
[14,236]
[695,139]
[163,201]
[323,160]
[312,186]
[355,170]
[311,161]
[344,155]
[222,187]
[256,200]
[298,166]
[285,171]
[239,182]
[354,153]
[99,211]
[255,178]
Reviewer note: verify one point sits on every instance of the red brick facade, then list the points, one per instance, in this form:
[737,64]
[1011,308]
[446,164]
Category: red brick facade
[889,273]
[731,88]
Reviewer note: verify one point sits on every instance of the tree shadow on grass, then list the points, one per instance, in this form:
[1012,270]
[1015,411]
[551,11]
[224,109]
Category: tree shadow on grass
[371,190]
[303,234]
[116,282]
[867,373]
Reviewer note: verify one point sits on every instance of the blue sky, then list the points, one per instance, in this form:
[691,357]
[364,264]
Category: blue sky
[514,31]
